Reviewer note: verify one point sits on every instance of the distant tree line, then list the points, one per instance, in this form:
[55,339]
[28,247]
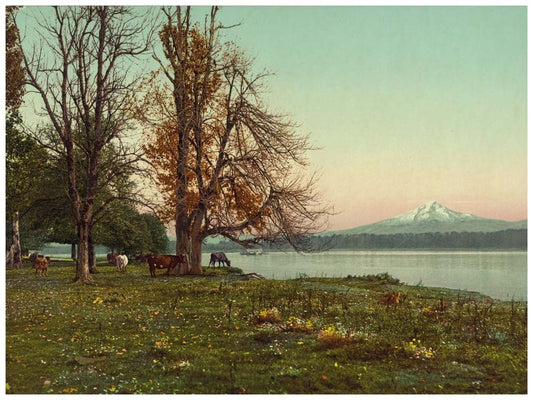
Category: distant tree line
[508,239]
[125,230]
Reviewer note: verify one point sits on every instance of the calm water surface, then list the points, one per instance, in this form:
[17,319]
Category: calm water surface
[501,275]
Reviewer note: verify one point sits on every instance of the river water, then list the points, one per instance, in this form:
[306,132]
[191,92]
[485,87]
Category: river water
[501,275]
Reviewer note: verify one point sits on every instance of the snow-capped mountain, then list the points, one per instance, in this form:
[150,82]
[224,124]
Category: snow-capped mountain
[431,211]
[434,217]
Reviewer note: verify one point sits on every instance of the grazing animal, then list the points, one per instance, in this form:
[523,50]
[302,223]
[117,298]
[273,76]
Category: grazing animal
[122,261]
[41,265]
[158,261]
[220,258]
[391,299]
[112,258]
[33,256]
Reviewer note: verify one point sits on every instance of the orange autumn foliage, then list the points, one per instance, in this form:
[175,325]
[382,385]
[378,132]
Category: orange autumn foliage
[231,198]
[232,195]
[224,163]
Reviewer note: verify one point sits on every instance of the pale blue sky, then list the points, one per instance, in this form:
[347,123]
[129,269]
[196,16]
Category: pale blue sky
[408,104]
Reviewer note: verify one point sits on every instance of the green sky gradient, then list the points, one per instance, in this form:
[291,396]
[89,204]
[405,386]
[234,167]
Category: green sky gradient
[408,104]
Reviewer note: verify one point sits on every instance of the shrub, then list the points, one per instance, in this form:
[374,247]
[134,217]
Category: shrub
[381,278]
[295,324]
[267,315]
[415,349]
[267,332]
[334,336]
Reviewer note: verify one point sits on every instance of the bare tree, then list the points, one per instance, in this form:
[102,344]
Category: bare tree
[237,167]
[81,69]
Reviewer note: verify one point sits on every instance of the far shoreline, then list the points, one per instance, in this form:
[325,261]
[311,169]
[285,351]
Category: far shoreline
[65,255]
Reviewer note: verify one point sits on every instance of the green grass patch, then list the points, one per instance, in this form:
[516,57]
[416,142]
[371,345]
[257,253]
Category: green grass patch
[130,333]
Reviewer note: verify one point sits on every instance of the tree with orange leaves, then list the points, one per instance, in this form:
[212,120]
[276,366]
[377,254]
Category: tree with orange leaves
[225,165]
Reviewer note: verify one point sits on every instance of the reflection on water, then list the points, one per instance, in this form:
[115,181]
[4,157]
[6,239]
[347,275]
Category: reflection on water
[502,275]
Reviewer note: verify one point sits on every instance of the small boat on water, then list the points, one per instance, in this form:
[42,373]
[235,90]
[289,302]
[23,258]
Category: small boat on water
[251,252]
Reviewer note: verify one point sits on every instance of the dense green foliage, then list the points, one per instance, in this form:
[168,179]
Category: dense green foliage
[27,183]
[508,239]
[45,213]
[220,334]
[123,229]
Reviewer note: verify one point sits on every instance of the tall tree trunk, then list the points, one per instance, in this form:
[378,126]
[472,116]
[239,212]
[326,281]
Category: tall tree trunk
[82,271]
[92,256]
[15,252]
[73,251]
[196,256]
[182,218]
[182,240]
[9,258]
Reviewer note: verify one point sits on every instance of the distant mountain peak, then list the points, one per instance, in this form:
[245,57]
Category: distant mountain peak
[434,217]
[430,211]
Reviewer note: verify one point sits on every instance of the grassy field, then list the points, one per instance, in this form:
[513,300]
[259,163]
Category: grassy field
[130,333]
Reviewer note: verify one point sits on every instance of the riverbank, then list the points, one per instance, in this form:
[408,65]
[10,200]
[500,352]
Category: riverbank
[219,333]
[500,275]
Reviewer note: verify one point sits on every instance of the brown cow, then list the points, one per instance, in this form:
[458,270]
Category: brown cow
[41,265]
[112,258]
[33,256]
[162,261]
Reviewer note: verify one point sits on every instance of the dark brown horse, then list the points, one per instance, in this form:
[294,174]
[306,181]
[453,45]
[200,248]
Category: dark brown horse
[220,258]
